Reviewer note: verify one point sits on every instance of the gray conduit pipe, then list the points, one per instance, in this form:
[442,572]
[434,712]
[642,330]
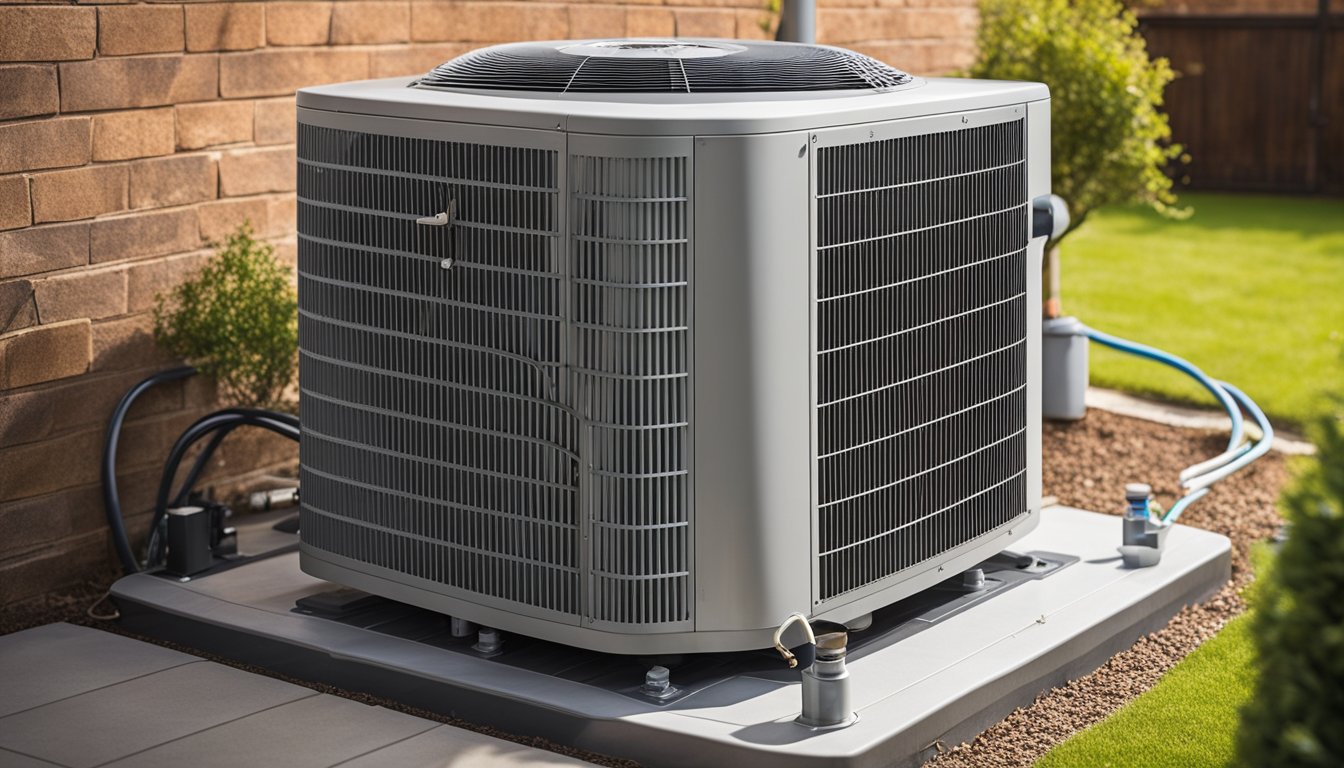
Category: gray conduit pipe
[797,21]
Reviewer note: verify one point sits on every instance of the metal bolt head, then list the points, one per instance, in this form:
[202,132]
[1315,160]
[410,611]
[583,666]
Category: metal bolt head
[657,680]
[973,579]
[488,641]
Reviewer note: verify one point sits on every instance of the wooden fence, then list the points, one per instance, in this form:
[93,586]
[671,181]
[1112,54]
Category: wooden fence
[1259,103]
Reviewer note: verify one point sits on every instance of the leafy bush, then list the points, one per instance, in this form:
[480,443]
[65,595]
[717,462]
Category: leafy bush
[1109,136]
[236,321]
[1296,716]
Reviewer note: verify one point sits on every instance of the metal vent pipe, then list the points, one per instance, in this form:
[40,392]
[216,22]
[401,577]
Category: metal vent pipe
[797,21]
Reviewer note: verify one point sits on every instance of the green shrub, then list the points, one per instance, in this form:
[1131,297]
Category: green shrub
[1109,136]
[1296,716]
[236,321]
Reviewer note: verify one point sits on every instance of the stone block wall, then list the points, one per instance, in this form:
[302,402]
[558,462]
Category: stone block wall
[134,134]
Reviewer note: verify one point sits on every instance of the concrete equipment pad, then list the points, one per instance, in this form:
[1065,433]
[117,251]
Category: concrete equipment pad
[942,675]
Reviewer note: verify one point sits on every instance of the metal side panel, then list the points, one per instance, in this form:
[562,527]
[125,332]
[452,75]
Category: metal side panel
[751,373]
[436,448]
[630,323]
[922,432]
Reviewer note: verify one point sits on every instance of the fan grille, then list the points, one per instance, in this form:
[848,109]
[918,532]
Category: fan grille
[682,66]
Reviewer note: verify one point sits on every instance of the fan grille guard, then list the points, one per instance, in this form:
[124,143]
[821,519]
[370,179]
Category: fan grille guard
[663,66]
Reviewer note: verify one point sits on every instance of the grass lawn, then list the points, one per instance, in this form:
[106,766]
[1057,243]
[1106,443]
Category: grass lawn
[1249,288]
[1188,719]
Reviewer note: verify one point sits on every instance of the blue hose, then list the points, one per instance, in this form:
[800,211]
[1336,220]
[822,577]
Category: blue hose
[1184,366]
[1232,400]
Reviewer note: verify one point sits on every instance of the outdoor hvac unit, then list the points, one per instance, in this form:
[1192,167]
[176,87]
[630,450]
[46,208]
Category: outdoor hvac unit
[643,345]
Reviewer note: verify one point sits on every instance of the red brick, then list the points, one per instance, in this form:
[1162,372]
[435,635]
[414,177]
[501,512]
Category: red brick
[365,23]
[488,22]
[15,208]
[91,294]
[48,519]
[141,235]
[47,33]
[253,171]
[82,403]
[50,465]
[177,180]
[282,215]
[650,22]
[415,59]
[27,90]
[141,81]
[55,143]
[126,343]
[79,194]
[298,23]
[225,26]
[124,30]
[756,24]
[282,72]
[596,21]
[213,123]
[150,279]
[44,353]
[275,121]
[69,563]
[43,249]
[138,133]
[696,22]
[17,310]
[222,217]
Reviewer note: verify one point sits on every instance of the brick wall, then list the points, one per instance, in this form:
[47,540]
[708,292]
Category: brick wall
[131,135]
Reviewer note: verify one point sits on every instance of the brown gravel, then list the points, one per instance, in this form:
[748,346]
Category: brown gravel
[1086,465]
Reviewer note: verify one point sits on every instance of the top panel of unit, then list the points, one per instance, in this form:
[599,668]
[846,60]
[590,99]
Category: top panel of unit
[664,88]
[687,66]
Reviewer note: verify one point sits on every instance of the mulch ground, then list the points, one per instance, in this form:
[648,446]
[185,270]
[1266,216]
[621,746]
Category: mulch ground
[1087,465]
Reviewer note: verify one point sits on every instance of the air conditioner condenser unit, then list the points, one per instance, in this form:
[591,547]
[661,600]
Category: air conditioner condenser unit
[643,345]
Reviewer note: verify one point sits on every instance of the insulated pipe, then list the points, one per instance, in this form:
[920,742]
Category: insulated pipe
[797,21]
[111,499]
[283,424]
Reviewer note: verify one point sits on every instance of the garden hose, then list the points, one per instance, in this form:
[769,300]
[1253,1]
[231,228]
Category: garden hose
[1198,478]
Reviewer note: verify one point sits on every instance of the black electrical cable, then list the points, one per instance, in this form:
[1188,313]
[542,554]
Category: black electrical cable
[184,491]
[282,424]
[111,499]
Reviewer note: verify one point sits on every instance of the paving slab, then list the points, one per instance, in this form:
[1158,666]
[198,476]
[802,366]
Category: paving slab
[15,760]
[314,732]
[73,660]
[119,720]
[448,746]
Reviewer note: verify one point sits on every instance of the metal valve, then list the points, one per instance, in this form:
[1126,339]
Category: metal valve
[825,688]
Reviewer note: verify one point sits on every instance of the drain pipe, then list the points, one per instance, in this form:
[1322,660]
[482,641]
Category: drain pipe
[797,21]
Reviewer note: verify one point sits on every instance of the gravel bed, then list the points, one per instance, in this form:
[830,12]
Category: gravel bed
[1087,464]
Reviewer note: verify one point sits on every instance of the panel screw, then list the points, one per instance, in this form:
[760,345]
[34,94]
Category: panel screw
[965,119]
[814,138]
